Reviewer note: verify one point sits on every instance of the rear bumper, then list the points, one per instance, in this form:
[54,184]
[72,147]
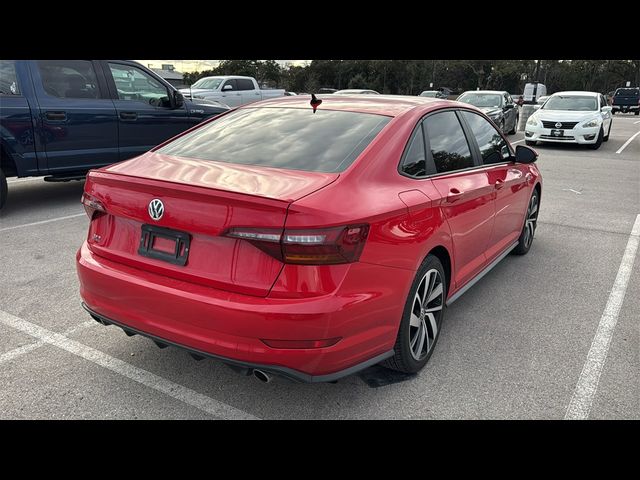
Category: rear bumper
[364,312]
[625,108]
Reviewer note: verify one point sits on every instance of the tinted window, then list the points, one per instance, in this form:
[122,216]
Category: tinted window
[414,162]
[244,84]
[231,83]
[69,78]
[447,142]
[325,141]
[627,92]
[493,147]
[8,78]
[135,84]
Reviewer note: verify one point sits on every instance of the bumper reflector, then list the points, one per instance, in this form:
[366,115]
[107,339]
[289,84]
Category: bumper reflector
[301,343]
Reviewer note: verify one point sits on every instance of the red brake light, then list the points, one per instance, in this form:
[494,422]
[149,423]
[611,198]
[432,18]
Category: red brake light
[321,246]
[92,205]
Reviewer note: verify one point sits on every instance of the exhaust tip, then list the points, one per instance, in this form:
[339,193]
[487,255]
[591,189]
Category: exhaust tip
[264,377]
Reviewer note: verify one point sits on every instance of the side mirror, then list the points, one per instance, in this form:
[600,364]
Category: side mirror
[178,99]
[227,87]
[606,109]
[525,154]
[537,106]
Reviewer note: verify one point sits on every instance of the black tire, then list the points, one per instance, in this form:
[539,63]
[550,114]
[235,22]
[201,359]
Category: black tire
[530,223]
[606,137]
[531,143]
[404,359]
[595,146]
[514,130]
[4,189]
[613,112]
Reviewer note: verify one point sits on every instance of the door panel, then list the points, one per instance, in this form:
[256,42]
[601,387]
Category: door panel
[466,194]
[232,97]
[77,122]
[144,116]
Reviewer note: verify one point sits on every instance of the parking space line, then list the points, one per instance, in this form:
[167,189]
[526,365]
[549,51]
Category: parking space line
[41,222]
[186,395]
[521,140]
[635,123]
[628,142]
[16,352]
[582,399]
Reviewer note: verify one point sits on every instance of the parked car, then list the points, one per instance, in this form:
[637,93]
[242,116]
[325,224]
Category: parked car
[571,117]
[63,117]
[626,100]
[289,94]
[257,245]
[533,91]
[356,91]
[498,105]
[433,94]
[231,90]
[324,90]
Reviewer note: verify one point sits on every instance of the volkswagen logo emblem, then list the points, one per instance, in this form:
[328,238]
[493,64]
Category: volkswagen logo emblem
[558,125]
[156,209]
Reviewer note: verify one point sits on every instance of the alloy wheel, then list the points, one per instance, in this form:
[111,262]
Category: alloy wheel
[532,218]
[426,314]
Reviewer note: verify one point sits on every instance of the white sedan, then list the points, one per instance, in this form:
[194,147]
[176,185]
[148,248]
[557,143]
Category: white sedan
[571,117]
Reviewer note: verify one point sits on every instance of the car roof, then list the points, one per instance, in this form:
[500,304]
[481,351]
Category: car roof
[227,77]
[499,92]
[389,105]
[577,93]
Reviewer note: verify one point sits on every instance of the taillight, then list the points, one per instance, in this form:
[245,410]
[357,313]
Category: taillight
[323,246]
[92,205]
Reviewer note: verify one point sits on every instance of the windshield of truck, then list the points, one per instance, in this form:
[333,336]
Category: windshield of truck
[577,103]
[208,83]
[481,99]
[291,138]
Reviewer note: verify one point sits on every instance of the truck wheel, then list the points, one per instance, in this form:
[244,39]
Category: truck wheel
[4,190]
[613,112]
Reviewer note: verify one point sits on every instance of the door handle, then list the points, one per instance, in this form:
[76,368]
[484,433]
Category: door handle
[56,116]
[499,184]
[128,115]
[454,195]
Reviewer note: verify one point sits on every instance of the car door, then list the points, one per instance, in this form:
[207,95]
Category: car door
[466,196]
[76,122]
[509,112]
[145,118]
[248,91]
[230,93]
[507,178]
[607,118]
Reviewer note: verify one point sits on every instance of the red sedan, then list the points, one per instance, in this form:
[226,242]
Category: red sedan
[307,242]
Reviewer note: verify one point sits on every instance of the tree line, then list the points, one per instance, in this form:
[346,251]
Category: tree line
[410,77]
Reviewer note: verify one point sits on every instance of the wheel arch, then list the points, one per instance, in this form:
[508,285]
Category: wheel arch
[7,163]
[442,254]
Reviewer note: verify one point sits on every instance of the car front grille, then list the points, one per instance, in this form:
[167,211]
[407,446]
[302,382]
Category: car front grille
[565,125]
[551,137]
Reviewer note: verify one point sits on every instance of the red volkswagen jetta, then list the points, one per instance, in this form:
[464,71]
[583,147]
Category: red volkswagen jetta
[307,241]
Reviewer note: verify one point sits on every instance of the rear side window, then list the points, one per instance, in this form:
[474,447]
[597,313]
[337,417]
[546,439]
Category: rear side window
[292,138]
[8,78]
[414,162]
[447,142]
[69,78]
[493,147]
[244,84]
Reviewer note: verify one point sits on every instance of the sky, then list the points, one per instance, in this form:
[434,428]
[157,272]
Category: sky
[186,66]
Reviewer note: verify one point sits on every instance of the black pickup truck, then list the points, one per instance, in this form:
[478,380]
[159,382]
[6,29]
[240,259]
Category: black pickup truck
[61,118]
[626,100]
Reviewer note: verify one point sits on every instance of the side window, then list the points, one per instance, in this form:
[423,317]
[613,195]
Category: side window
[69,78]
[244,84]
[8,78]
[447,142]
[229,82]
[135,84]
[414,162]
[493,147]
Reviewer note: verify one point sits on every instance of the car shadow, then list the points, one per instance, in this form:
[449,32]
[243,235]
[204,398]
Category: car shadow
[41,195]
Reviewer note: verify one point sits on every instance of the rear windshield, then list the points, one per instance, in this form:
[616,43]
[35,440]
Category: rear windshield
[292,138]
[627,92]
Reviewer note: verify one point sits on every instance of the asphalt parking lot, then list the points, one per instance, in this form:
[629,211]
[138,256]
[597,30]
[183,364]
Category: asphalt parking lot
[516,346]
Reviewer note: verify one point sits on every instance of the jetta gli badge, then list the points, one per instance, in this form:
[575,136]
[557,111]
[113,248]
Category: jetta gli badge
[156,209]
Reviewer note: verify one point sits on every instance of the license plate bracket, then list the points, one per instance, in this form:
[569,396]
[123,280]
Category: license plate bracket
[557,133]
[182,241]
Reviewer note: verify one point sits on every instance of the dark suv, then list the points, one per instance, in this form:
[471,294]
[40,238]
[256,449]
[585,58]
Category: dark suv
[626,100]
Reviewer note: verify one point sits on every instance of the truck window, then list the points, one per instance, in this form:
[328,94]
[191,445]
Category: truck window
[134,84]
[69,78]
[231,82]
[8,78]
[244,84]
